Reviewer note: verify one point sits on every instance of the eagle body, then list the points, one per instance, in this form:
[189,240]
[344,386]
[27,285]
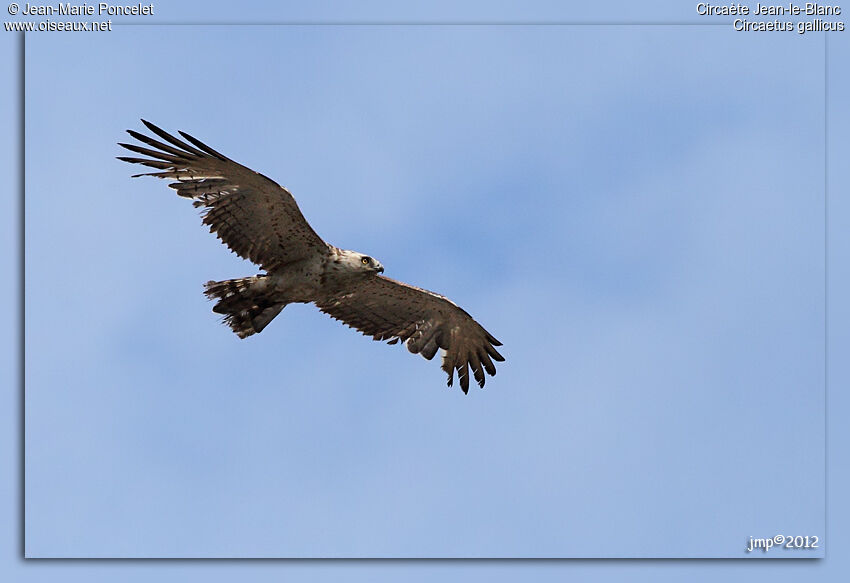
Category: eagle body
[250,303]
[260,221]
[308,280]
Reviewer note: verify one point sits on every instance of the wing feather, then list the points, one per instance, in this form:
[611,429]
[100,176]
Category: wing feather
[169,138]
[254,216]
[387,309]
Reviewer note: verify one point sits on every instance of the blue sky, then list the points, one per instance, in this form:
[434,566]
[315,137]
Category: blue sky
[635,212]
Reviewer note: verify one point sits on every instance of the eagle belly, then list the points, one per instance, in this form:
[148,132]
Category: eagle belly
[299,282]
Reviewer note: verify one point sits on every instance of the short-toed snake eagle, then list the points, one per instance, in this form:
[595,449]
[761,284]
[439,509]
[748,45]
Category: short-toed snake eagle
[260,221]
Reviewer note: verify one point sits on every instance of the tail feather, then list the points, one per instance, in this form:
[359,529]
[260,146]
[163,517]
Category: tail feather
[248,304]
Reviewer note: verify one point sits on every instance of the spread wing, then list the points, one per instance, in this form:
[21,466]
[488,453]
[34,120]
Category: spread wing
[391,310]
[254,216]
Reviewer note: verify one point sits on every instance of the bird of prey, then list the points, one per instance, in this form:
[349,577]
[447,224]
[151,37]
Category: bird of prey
[260,221]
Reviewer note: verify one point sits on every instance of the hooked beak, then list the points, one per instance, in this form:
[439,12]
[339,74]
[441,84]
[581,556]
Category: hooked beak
[380,269]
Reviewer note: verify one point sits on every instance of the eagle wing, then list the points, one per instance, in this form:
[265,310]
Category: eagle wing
[254,216]
[391,310]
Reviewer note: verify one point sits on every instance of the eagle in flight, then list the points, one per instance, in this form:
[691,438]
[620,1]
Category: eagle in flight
[260,221]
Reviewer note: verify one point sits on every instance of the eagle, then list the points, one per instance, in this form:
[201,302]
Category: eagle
[260,221]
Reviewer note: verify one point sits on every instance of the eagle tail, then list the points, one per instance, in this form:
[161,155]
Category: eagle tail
[248,304]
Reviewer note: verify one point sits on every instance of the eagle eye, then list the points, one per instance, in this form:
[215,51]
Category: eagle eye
[365,261]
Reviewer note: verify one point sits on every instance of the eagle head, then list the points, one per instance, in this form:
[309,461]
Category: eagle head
[353,261]
[371,264]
